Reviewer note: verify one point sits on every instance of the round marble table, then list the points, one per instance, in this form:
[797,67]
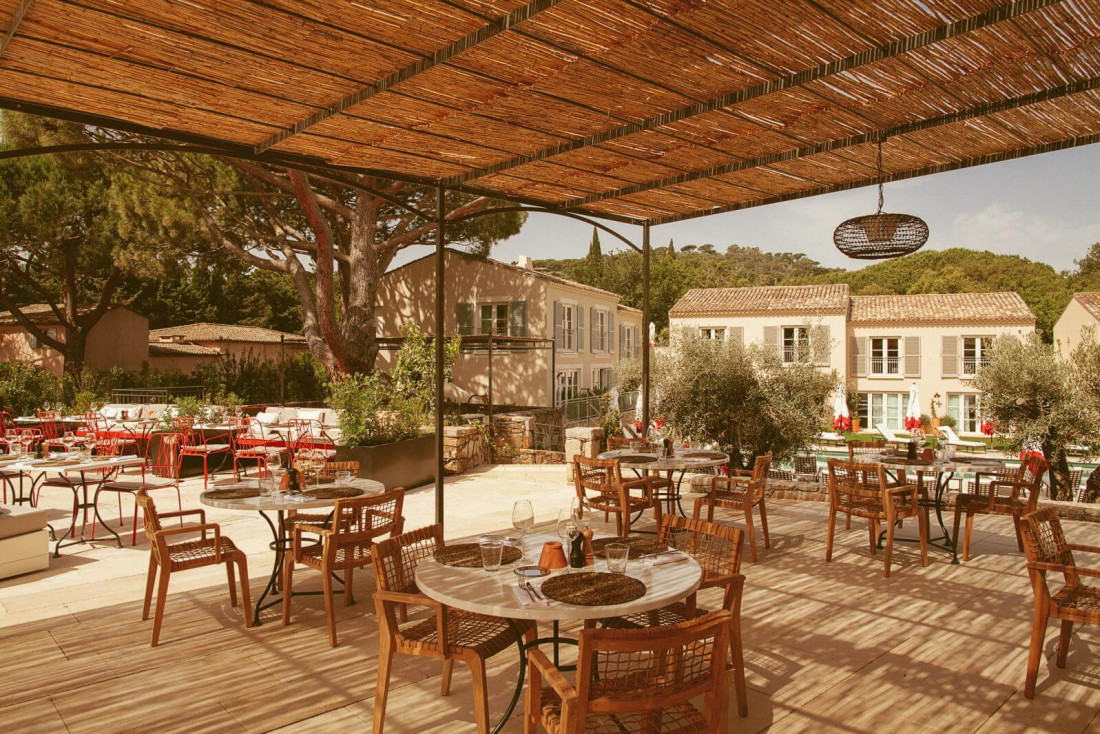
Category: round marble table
[264,504]
[491,593]
[683,461]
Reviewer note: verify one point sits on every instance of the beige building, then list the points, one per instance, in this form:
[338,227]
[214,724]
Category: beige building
[1081,316]
[119,338]
[189,345]
[553,338]
[878,345]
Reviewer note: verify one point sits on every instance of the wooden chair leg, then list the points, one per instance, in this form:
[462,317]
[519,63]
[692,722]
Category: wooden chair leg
[710,512]
[445,683]
[619,525]
[922,526]
[764,523]
[532,700]
[481,694]
[872,536]
[382,690]
[330,604]
[737,655]
[288,586]
[1063,643]
[890,525]
[1035,651]
[1019,535]
[150,578]
[162,597]
[246,592]
[232,583]
[751,532]
[349,595]
[967,535]
[847,522]
[829,539]
[657,515]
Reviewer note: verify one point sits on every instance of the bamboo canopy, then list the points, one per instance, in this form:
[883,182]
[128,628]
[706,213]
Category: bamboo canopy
[639,110]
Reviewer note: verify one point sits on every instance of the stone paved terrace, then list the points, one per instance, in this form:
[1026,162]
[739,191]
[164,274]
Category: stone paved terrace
[829,647]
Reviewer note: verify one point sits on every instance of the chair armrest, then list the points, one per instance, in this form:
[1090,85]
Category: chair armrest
[402,597]
[553,676]
[1084,548]
[1069,570]
[718,479]
[740,472]
[184,513]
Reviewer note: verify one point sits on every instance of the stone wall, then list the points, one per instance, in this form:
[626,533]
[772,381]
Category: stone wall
[464,446]
[587,442]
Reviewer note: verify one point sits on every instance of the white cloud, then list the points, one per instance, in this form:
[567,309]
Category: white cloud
[1015,232]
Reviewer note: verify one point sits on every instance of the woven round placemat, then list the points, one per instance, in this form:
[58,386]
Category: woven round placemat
[639,546]
[235,493]
[711,455]
[56,463]
[333,493]
[637,459]
[592,588]
[468,555]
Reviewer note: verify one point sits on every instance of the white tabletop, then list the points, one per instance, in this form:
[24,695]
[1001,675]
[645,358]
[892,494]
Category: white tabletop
[669,463]
[949,465]
[490,592]
[93,464]
[267,503]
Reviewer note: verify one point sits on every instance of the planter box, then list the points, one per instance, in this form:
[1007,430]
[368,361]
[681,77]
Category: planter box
[405,464]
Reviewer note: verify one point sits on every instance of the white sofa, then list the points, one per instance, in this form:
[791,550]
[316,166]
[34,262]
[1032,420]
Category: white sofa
[24,540]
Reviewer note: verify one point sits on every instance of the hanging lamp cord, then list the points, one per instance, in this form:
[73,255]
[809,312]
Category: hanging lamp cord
[880,177]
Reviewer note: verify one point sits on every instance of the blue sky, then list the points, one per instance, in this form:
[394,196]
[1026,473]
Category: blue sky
[1045,208]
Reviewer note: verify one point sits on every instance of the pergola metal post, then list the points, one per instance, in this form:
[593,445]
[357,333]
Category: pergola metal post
[440,236]
[645,328]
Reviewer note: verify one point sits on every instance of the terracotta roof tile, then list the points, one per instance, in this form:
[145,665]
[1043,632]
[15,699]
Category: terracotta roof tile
[779,299]
[1006,307]
[207,332]
[1090,302]
[173,349]
[41,313]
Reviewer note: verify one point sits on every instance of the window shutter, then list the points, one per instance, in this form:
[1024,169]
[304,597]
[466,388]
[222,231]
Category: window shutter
[821,343]
[464,316]
[517,318]
[622,341]
[610,346]
[859,356]
[559,338]
[580,327]
[912,356]
[594,331]
[771,338]
[950,353]
[736,334]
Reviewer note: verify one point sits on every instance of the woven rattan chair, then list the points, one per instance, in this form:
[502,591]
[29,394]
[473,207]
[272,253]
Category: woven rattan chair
[600,486]
[447,635]
[869,448]
[718,550]
[316,519]
[345,546]
[741,490]
[1012,492]
[1047,551]
[173,557]
[805,468]
[636,680]
[862,490]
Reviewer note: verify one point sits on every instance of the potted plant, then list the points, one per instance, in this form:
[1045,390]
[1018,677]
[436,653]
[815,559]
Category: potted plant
[935,402]
[851,397]
[383,431]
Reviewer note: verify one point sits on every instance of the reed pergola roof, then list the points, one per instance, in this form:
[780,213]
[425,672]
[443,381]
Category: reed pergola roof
[643,110]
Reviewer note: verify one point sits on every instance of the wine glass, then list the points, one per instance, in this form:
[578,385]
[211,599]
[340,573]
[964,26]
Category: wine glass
[567,521]
[523,519]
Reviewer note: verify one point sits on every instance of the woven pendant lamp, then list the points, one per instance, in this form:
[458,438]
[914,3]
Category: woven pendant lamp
[881,235]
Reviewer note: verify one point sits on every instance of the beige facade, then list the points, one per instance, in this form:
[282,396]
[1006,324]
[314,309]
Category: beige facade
[878,345]
[514,303]
[121,337]
[1081,316]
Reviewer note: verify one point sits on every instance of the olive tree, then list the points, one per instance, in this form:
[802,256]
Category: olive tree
[742,398]
[1034,395]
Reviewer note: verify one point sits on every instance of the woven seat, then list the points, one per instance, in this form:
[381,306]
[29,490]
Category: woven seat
[1012,492]
[636,680]
[357,523]
[863,490]
[741,491]
[313,522]
[471,638]
[1049,553]
[170,558]
[600,486]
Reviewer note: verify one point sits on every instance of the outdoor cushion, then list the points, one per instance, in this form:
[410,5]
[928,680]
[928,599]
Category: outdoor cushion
[332,417]
[286,415]
[311,414]
[153,410]
[268,416]
[21,520]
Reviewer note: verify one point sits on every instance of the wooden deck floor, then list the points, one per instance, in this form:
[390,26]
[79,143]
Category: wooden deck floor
[829,646]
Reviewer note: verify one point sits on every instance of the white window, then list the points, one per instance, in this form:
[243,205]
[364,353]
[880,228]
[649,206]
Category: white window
[567,385]
[883,407]
[601,378]
[885,353]
[599,330]
[626,348]
[494,319]
[975,353]
[568,327]
[796,344]
[963,407]
[717,333]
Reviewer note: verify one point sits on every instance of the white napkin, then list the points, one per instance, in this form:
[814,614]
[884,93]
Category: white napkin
[661,560]
[525,599]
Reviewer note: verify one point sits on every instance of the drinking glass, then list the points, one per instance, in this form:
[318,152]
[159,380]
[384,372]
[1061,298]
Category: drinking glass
[617,556]
[491,552]
[523,519]
[343,478]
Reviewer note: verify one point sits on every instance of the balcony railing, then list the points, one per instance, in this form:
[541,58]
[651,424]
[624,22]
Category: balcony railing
[884,366]
[796,355]
[971,365]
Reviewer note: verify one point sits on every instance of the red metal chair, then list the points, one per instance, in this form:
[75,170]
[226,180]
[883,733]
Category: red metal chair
[193,443]
[49,427]
[163,473]
[305,438]
[249,444]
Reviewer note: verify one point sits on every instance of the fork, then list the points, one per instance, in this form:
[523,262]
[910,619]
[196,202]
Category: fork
[533,591]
